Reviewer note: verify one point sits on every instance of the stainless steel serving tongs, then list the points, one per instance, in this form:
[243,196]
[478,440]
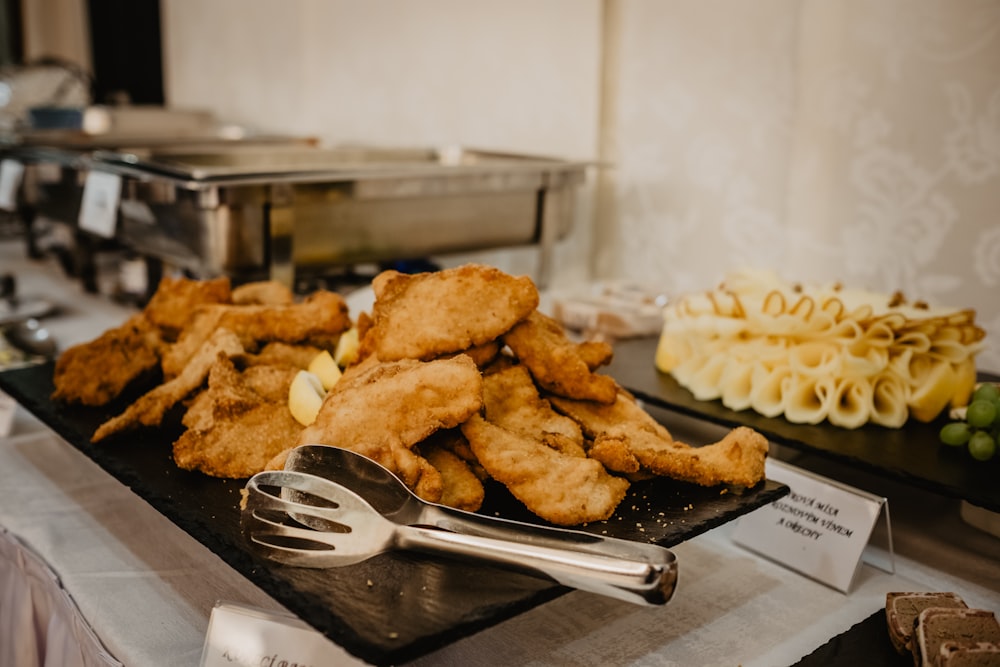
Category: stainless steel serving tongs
[331,507]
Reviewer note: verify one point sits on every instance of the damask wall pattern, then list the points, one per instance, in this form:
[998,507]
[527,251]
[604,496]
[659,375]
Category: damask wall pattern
[852,141]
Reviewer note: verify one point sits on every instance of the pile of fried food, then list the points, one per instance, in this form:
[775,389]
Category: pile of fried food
[457,377]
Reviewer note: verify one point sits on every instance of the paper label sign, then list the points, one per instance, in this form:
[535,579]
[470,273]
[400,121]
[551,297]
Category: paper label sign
[11,172]
[99,206]
[240,636]
[820,529]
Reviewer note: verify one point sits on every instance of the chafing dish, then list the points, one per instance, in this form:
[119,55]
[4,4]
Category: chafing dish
[277,211]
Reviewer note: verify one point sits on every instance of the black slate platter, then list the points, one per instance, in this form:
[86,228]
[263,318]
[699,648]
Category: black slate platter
[865,643]
[394,607]
[912,454]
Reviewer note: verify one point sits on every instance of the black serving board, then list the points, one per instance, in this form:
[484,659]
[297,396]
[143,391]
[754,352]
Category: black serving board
[912,454]
[865,643]
[394,607]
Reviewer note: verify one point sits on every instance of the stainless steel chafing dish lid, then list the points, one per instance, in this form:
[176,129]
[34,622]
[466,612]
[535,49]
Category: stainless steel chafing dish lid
[257,165]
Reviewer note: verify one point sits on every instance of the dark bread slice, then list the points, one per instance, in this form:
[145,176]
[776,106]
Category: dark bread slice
[982,654]
[962,627]
[902,609]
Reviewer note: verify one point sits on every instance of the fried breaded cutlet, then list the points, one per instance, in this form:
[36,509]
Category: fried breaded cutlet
[623,432]
[150,408]
[461,487]
[321,315]
[98,371]
[566,490]
[263,292]
[391,406]
[427,315]
[175,299]
[283,354]
[511,400]
[239,423]
[558,364]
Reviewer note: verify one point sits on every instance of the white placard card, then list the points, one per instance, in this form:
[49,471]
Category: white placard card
[820,529]
[241,636]
[99,205]
[11,172]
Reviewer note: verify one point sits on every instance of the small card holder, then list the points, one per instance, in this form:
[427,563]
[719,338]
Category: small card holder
[822,529]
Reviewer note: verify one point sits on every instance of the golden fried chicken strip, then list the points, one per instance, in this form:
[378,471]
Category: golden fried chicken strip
[624,428]
[232,429]
[558,364]
[511,401]
[483,354]
[320,315]
[461,488]
[427,315]
[175,299]
[566,490]
[149,409]
[385,410]
[263,292]
[98,371]
[283,354]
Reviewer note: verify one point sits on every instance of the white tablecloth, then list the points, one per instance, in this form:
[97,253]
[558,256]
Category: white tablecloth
[146,589]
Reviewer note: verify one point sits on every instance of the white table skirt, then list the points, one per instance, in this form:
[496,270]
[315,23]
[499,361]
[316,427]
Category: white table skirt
[40,625]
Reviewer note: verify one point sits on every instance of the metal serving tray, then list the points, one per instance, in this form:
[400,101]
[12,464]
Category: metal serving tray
[274,211]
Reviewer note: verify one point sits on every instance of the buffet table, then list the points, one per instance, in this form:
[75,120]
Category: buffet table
[112,581]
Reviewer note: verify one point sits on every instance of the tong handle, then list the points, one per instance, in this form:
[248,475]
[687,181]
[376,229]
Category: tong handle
[470,523]
[631,580]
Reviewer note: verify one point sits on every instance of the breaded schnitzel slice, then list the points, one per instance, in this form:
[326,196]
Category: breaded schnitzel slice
[566,490]
[98,371]
[385,410]
[427,315]
[558,364]
[461,487]
[283,354]
[511,400]
[321,315]
[264,292]
[150,408]
[624,428]
[232,429]
[483,354]
[175,299]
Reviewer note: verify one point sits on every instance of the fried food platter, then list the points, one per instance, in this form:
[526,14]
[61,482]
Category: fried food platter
[394,607]
[912,454]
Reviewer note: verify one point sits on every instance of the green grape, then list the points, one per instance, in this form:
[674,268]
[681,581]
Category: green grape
[955,434]
[982,446]
[981,413]
[987,391]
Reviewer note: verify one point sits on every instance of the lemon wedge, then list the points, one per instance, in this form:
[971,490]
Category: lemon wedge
[305,396]
[346,352]
[326,369]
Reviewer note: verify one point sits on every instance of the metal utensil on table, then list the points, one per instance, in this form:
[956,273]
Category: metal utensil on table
[31,337]
[331,507]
